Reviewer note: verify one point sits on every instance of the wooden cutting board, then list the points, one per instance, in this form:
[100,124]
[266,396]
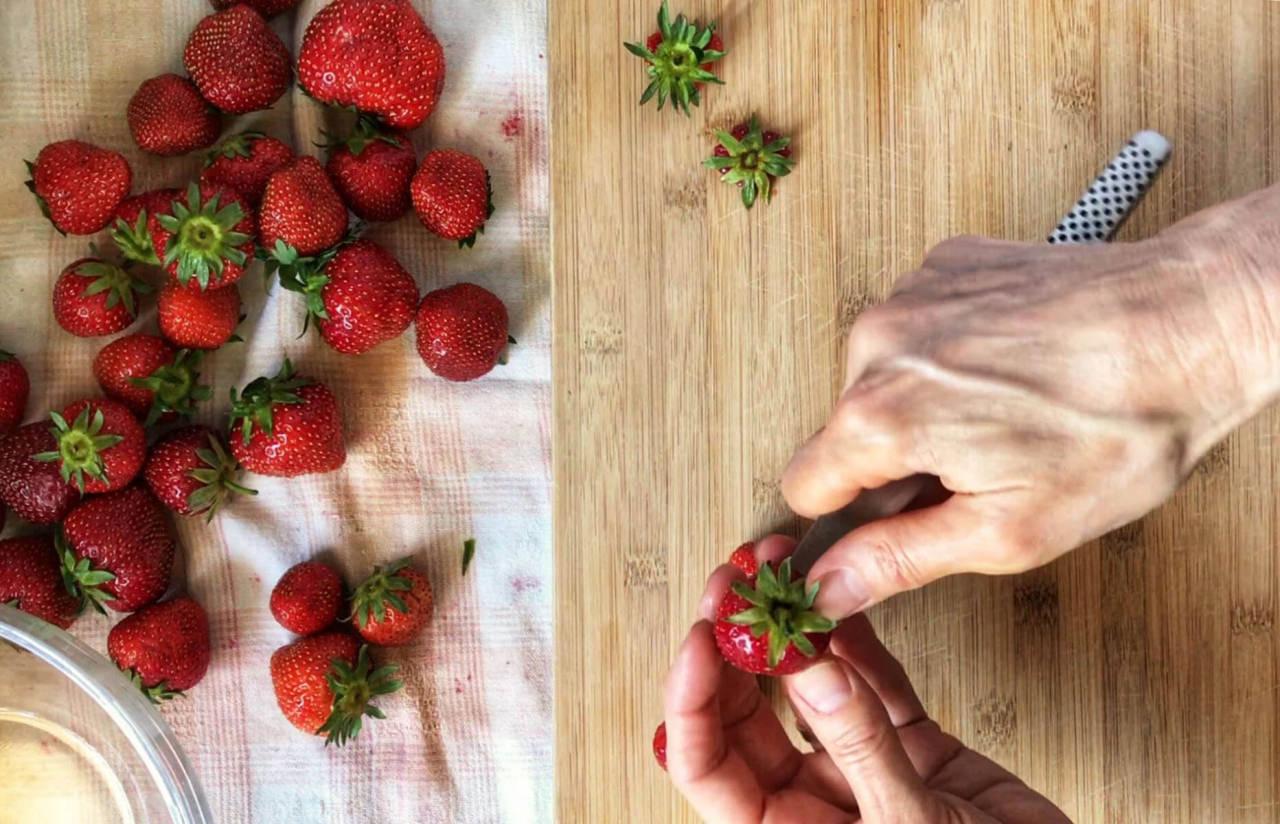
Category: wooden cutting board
[697,344]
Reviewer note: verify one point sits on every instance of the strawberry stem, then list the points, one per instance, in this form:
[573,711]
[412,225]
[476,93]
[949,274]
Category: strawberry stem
[218,479]
[253,407]
[353,692]
[378,592]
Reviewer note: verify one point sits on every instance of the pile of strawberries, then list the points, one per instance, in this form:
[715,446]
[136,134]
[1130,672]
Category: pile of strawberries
[96,477]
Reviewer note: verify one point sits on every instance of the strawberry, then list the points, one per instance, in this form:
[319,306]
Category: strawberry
[307,598]
[190,472]
[151,377]
[102,440]
[301,211]
[15,388]
[393,605]
[35,490]
[205,241]
[452,196]
[752,159]
[679,55]
[133,223]
[79,185]
[767,625]
[267,8]
[744,558]
[167,116]
[660,745]
[198,320]
[360,297]
[377,56]
[245,162]
[324,685]
[462,331]
[93,297]
[31,580]
[288,426]
[116,550]
[237,62]
[163,648]
[372,171]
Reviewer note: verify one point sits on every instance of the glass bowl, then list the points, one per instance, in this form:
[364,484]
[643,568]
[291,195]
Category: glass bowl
[78,742]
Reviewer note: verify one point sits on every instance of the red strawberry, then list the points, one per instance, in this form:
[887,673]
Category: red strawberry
[660,745]
[99,438]
[393,605]
[163,648]
[307,598]
[245,162]
[288,426]
[767,625]
[239,64]
[324,683]
[752,159]
[462,331]
[167,116]
[190,471]
[79,185]
[31,580]
[151,377]
[93,297]
[133,223]
[301,210]
[744,558]
[198,320]
[377,56]
[679,55]
[267,8]
[15,388]
[452,196]
[35,490]
[117,551]
[206,240]
[372,171]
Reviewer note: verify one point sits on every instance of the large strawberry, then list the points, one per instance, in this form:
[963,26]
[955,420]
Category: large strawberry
[79,185]
[324,685]
[245,162]
[117,551]
[151,377]
[206,240]
[98,438]
[133,223]
[377,56]
[767,625]
[31,580]
[239,64]
[393,605]
[751,159]
[35,490]
[452,195]
[198,320]
[167,116]
[307,598]
[190,471]
[93,297]
[163,648]
[372,170]
[301,212]
[679,55]
[267,8]
[462,331]
[15,388]
[287,426]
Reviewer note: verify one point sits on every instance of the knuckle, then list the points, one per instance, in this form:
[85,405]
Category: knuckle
[894,566]
[855,744]
[1014,545]
[875,325]
[949,249]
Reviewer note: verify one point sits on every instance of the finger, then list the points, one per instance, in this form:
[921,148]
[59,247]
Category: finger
[717,587]
[969,253]
[855,641]
[773,548]
[794,806]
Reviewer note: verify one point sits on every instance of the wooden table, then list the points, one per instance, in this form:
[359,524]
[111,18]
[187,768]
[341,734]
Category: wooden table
[698,344]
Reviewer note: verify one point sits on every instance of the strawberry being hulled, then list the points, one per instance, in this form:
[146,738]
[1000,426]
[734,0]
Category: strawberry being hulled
[117,551]
[752,159]
[679,55]
[163,648]
[462,331]
[393,605]
[324,685]
[15,388]
[206,239]
[79,185]
[167,116]
[287,426]
[151,377]
[99,445]
[93,297]
[31,580]
[239,64]
[452,196]
[307,598]
[767,625]
[245,162]
[191,472]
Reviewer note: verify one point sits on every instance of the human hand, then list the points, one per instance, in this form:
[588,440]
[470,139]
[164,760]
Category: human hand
[881,758]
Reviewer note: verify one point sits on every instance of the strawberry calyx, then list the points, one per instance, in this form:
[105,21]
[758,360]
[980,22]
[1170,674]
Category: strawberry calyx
[354,688]
[469,242]
[677,65]
[204,237]
[80,446]
[175,387]
[134,242]
[218,478]
[253,406]
[121,287]
[44,204]
[378,592]
[751,162]
[157,693]
[367,130]
[781,609]
[237,145]
[7,356]
[82,580]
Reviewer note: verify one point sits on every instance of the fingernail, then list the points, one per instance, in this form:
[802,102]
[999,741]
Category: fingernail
[824,686]
[841,594]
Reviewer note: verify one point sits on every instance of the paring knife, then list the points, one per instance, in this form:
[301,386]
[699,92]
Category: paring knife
[1093,219]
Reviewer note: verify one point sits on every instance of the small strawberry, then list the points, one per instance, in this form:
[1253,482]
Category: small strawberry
[198,320]
[393,605]
[35,490]
[660,745]
[462,331]
[163,648]
[452,196]
[301,210]
[237,62]
[245,162]
[117,551]
[267,8]
[767,625]
[752,159]
[377,56]
[92,298]
[679,55]
[79,185]
[206,240]
[31,580]
[133,223]
[307,598]
[190,471]
[288,426]
[167,116]
[15,388]
[103,441]
[324,683]
[372,171]
[151,377]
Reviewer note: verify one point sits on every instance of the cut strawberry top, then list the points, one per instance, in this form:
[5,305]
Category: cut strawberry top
[679,56]
[751,159]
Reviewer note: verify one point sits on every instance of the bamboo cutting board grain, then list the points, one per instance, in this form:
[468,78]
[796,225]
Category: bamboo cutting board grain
[697,345]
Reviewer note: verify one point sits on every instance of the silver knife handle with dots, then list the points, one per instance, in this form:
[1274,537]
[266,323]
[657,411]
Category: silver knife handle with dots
[1113,196]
